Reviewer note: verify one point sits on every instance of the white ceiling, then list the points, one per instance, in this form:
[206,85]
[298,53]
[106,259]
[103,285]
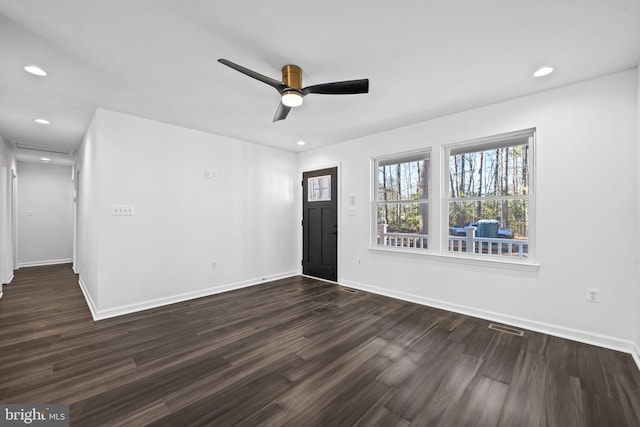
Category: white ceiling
[158,59]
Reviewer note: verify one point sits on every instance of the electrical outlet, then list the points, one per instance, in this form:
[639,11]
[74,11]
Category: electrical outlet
[593,294]
[209,174]
[359,260]
[213,263]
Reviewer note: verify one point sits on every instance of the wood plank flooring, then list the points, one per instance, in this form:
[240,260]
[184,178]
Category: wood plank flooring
[297,352]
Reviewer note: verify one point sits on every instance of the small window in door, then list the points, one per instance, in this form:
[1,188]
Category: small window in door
[319,189]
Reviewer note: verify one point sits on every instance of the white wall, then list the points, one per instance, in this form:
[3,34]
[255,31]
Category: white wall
[637,346]
[244,219]
[45,215]
[7,196]
[87,203]
[586,214]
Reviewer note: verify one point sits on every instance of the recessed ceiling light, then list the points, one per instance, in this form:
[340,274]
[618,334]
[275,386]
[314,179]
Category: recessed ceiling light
[42,121]
[301,142]
[45,159]
[35,70]
[543,71]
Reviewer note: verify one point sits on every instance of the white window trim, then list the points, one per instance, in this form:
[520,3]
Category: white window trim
[479,261]
[445,199]
[401,157]
[438,247]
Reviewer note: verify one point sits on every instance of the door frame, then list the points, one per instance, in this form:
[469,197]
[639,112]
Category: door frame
[5,226]
[14,215]
[338,217]
[76,190]
[8,221]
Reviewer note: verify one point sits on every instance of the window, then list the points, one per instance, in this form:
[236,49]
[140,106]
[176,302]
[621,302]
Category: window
[483,207]
[319,189]
[489,195]
[401,201]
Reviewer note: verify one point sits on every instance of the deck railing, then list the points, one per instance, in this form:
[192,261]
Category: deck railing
[469,243]
[402,240]
[405,240]
[488,245]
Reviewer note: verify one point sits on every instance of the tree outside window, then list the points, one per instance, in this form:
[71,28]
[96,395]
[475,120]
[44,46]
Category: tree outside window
[489,188]
[483,202]
[402,201]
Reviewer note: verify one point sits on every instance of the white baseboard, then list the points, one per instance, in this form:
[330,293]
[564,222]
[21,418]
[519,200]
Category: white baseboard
[612,343]
[9,279]
[636,354]
[98,314]
[87,297]
[40,263]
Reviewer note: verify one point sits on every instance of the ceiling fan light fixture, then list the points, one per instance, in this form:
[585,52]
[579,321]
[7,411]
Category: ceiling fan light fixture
[292,98]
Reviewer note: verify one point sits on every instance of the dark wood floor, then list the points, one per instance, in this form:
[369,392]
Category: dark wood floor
[297,352]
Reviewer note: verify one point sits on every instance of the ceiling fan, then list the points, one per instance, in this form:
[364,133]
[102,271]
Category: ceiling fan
[291,90]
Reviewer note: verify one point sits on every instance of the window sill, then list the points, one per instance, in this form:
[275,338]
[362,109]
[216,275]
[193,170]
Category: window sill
[476,260]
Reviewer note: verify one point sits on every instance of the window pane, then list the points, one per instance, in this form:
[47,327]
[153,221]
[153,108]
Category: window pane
[510,216]
[404,217]
[319,188]
[500,228]
[403,181]
[403,224]
[501,171]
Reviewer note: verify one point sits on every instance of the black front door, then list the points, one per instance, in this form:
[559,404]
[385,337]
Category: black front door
[320,223]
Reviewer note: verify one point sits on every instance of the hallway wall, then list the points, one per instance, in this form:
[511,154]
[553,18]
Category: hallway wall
[637,345]
[7,181]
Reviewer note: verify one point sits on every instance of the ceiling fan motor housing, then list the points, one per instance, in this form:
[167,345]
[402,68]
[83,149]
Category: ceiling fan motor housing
[292,76]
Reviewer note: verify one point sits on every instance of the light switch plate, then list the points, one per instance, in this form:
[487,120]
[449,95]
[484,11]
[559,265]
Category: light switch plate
[123,210]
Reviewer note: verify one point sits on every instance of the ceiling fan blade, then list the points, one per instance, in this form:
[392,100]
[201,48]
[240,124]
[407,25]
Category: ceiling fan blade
[281,112]
[349,87]
[268,80]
